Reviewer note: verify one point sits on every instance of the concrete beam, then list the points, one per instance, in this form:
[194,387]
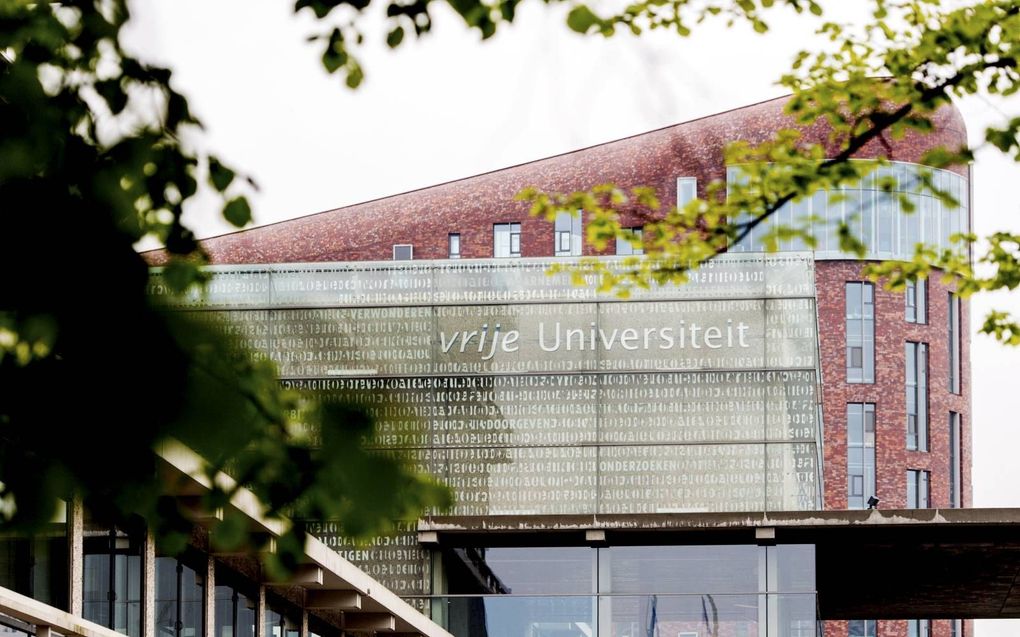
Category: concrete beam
[374,622]
[333,600]
[306,575]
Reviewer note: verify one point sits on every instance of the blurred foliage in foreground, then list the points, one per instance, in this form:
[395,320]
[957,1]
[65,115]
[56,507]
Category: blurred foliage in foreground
[93,158]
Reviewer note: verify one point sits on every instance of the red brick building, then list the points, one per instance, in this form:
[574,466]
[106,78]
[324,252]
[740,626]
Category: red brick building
[895,367]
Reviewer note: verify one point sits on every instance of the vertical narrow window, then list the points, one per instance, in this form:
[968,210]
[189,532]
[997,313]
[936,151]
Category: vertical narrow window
[917,301]
[860,454]
[403,252]
[955,500]
[686,190]
[626,246]
[916,355]
[956,628]
[860,332]
[506,240]
[919,628]
[568,234]
[917,489]
[454,246]
[954,343]
[863,628]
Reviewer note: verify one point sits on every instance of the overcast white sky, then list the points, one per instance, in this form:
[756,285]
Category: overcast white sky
[450,107]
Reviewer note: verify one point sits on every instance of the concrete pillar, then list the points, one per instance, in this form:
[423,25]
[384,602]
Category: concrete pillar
[260,613]
[149,585]
[210,596]
[76,555]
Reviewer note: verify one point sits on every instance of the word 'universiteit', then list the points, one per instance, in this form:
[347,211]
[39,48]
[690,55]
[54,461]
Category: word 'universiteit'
[692,335]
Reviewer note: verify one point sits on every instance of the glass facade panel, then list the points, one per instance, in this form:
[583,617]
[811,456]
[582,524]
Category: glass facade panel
[642,590]
[873,214]
[919,628]
[180,594]
[679,569]
[112,578]
[860,332]
[37,567]
[517,570]
[916,355]
[235,612]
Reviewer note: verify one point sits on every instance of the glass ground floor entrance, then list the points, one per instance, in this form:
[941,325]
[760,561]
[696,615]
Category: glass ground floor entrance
[625,591]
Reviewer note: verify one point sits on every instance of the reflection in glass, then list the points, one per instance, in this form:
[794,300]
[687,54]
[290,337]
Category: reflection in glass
[678,615]
[180,592]
[875,216]
[37,566]
[112,578]
[679,569]
[518,570]
[513,616]
[235,611]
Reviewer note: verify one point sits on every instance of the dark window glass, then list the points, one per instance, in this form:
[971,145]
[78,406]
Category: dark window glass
[112,578]
[521,570]
[180,591]
[860,332]
[37,566]
[235,611]
[403,252]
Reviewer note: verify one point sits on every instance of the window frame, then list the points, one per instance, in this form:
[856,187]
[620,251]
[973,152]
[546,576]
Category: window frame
[409,246]
[451,239]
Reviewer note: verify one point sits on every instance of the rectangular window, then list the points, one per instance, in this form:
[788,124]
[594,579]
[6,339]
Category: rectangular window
[917,301]
[860,332]
[112,578]
[954,460]
[403,252]
[954,343]
[863,628]
[917,489]
[454,246]
[686,190]
[180,599]
[860,454]
[624,246]
[917,396]
[568,234]
[506,240]
[955,628]
[919,628]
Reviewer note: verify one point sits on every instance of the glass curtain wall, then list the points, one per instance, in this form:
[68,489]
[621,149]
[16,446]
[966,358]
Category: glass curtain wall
[235,608]
[37,566]
[180,591]
[112,586]
[625,591]
[875,212]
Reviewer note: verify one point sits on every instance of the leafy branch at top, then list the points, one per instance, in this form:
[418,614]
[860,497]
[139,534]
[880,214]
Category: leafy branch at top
[923,56]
